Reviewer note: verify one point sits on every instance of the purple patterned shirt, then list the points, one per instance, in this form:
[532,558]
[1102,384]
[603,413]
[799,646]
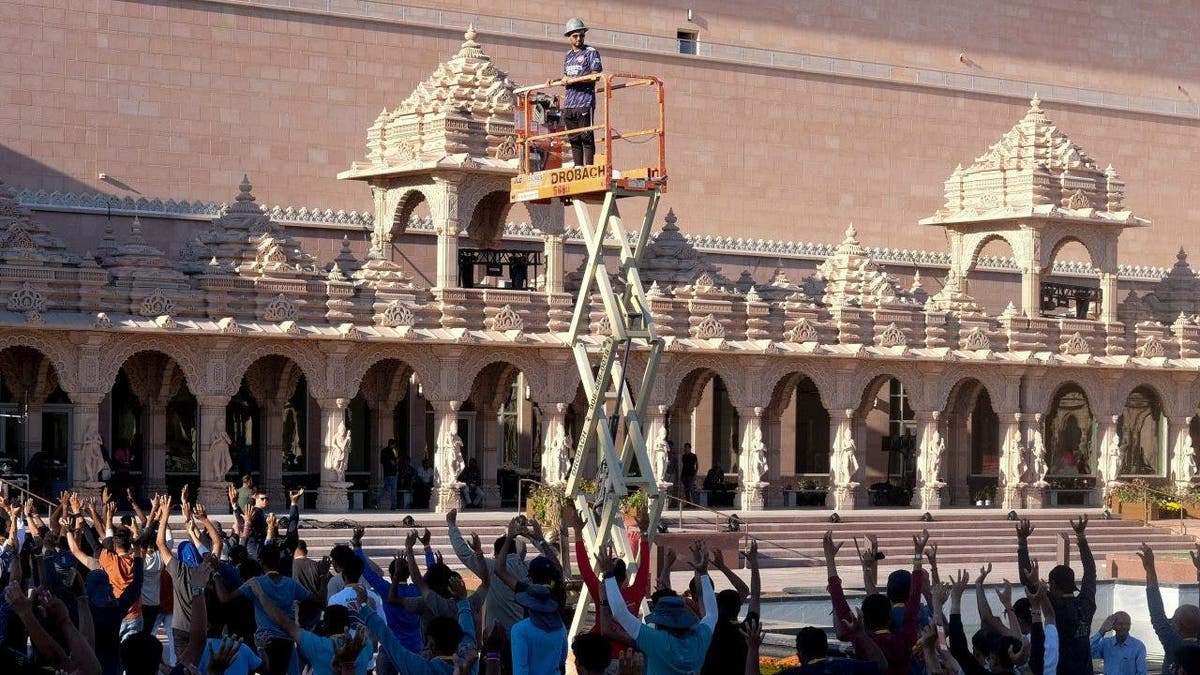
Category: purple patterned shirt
[576,63]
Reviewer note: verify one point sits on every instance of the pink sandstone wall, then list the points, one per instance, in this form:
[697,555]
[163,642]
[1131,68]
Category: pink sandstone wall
[177,98]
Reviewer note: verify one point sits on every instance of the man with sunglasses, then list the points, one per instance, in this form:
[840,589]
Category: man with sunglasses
[579,105]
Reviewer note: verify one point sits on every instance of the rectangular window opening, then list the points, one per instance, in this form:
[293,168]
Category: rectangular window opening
[688,40]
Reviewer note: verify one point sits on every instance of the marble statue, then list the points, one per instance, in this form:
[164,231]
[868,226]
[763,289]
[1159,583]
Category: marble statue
[91,455]
[216,459]
[844,460]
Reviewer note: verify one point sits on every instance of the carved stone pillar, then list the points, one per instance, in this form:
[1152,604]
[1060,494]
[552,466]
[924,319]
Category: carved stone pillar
[87,424]
[752,461]
[552,248]
[844,461]
[1109,462]
[1183,455]
[447,228]
[488,437]
[271,437]
[32,442]
[154,458]
[448,461]
[1108,297]
[213,493]
[1012,462]
[1031,292]
[931,454]
[556,447]
[332,496]
[1035,493]
[773,437]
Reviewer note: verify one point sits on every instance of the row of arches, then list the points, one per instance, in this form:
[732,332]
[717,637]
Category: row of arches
[154,425]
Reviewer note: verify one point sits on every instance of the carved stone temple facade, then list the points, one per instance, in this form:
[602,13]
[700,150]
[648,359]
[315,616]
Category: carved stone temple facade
[240,352]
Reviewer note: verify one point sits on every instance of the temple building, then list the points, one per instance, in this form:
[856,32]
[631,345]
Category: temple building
[189,342]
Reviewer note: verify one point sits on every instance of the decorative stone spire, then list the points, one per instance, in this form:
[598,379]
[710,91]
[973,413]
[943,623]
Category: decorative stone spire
[1178,292]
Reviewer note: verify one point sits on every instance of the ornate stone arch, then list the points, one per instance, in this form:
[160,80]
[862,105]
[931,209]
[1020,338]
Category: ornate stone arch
[1054,240]
[1126,385]
[359,362]
[1049,388]
[62,354]
[973,243]
[869,379]
[527,361]
[949,388]
[308,357]
[186,356]
[785,388]
[681,370]
[402,203]
[488,206]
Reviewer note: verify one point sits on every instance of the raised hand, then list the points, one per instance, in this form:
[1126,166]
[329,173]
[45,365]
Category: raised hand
[452,517]
[919,542]
[426,537]
[1038,597]
[958,584]
[1079,525]
[356,539]
[221,658]
[232,492]
[464,662]
[295,496]
[535,531]
[931,554]
[411,539]
[753,631]
[105,497]
[1005,595]
[941,593]
[631,662]
[200,512]
[670,558]
[1024,528]
[983,573]
[1033,573]
[1108,624]
[272,521]
[717,559]
[346,653]
[752,555]
[831,549]
[1147,555]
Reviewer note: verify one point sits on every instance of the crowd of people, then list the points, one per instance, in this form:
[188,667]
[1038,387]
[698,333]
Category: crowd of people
[94,590]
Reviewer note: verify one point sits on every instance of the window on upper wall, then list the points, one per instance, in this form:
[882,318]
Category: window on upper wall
[688,41]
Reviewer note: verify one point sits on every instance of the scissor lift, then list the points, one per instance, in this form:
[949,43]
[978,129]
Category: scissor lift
[619,440]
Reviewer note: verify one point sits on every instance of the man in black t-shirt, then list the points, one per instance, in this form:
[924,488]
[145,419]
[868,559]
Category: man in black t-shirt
[689,466]
[390,468]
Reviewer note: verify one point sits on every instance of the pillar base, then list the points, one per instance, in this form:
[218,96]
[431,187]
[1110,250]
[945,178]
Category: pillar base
[843,497]
[1035,496]
[214,495]
[752,497]
[1012,496]
[448,497]
[931,497]
[91,488]
[491,496]
[333,497]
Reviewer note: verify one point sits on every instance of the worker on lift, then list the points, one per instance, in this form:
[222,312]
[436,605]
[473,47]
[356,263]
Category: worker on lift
[579,106]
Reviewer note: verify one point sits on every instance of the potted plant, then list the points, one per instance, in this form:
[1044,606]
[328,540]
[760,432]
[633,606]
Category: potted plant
[811,493]
[985,495]
[636,510]
[545,505]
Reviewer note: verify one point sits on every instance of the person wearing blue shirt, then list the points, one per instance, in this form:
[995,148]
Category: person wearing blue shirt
[539,642]
[405,625]
[579,105]
[447,638]
[1123,654]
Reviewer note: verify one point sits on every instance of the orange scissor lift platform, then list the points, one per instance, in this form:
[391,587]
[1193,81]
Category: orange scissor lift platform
[591,182]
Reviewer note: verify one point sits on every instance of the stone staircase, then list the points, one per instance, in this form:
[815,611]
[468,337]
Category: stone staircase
[792,539]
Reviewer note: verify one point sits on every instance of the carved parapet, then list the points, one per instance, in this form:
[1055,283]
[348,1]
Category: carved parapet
[455,312]
[1187,337]
[1029,335]
[558,312]
[939,326]
[1117,341]
[1095,340]
[1152,340]
[898,329]
[758,323]
[854,325]
[977,336]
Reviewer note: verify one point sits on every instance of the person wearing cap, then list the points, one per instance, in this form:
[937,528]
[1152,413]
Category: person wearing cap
[538,642]
[673,640]
[579,104]
[1181,630]
[500,604]
[1073,612]
[1122,653]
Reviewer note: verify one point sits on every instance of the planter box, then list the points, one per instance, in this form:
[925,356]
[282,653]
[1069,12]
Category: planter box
[1136,510]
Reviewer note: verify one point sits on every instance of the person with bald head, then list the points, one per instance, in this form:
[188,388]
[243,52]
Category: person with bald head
[1122,653]
[1180,630]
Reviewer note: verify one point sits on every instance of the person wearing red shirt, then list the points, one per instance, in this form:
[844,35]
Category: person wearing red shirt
[633,593]
[876,609]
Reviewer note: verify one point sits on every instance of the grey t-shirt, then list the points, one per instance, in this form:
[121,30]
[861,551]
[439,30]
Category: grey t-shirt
[181,577]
